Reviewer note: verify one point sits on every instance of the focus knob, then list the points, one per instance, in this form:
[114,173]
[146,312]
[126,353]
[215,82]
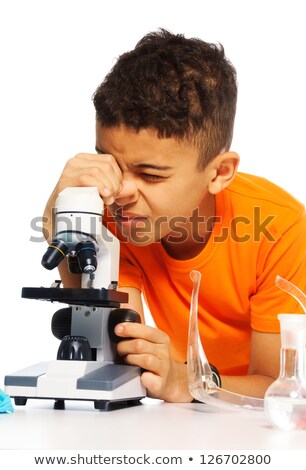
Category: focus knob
[74,348]
[121,315]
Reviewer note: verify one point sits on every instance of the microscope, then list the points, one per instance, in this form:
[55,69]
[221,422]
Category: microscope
[87,366]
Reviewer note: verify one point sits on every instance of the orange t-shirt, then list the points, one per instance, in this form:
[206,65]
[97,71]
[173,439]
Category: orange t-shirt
[260,231]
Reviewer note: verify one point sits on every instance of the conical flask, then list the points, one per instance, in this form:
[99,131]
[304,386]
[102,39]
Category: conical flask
[285,399]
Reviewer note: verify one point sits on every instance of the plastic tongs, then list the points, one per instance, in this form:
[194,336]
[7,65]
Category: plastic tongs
[291,289]
[200,377]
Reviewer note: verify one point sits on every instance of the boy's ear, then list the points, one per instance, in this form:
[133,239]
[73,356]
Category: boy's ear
[223,169]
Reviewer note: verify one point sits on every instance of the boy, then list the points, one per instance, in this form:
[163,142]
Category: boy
[164,124]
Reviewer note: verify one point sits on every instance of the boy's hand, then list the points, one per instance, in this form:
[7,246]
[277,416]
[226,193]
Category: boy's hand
[101,171]
[149,348]
[98,170]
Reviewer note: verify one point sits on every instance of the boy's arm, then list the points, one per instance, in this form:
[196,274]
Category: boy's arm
[135,301]
[263,369]
[68,279]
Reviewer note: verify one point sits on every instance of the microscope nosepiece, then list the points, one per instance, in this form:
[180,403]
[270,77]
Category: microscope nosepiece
[55,253]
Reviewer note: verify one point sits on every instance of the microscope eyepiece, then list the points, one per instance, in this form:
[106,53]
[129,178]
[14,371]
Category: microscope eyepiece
[86,254]
[55,253]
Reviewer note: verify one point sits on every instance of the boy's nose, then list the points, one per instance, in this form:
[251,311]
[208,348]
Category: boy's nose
[128,193]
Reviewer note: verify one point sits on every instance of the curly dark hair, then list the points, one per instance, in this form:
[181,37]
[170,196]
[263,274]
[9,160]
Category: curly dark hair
[181,88]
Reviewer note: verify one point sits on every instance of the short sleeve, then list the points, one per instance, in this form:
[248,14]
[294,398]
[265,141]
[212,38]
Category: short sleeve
[286,257]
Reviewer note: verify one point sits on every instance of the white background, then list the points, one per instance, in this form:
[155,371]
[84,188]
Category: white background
[53,56]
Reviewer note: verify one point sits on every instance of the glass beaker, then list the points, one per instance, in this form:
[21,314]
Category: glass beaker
[285,399]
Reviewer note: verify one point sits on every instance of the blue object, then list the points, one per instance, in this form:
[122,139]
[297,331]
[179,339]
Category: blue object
[5,403]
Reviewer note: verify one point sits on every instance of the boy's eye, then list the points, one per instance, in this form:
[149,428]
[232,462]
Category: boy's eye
[149,177]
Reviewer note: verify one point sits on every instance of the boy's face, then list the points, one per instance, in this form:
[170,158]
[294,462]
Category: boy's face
[161,185]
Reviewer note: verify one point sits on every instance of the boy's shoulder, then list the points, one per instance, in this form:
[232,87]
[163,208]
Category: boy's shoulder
[252,189]
[257,198]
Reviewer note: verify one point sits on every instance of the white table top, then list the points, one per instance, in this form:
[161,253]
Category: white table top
[152,425]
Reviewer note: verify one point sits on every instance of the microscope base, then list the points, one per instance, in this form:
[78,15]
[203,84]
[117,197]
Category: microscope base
[102,383]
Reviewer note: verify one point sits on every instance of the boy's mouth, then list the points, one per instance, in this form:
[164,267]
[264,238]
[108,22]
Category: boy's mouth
[128,217]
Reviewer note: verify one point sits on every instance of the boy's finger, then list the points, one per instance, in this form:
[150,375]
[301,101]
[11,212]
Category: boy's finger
[146,362]
[138,330]
[137,346]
